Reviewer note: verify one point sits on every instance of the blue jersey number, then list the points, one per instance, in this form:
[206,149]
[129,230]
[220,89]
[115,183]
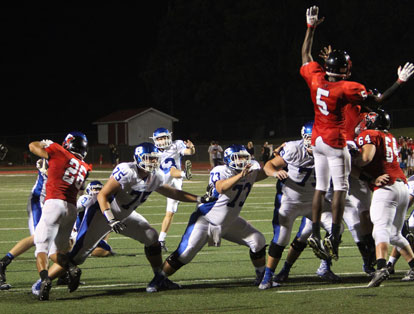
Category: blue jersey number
[239,189]
[167,164]
[308,172]
[141,196]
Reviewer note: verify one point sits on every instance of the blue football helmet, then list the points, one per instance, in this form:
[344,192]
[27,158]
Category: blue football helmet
[162,138]
[236,157]
[307,134]
[94,187]
[76,143]
[147,157]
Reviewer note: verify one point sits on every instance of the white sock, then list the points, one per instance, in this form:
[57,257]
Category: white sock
[162,236]
[392,260]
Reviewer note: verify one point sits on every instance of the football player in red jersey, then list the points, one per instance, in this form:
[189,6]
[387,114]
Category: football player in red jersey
[378,165]
[331,92]
[66,175]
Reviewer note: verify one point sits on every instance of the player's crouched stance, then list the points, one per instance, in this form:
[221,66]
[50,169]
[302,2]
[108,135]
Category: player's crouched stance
[128,187]
[229,186]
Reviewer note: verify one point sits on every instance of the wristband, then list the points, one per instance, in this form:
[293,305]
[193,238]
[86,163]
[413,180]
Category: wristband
[108,214]
[198,199]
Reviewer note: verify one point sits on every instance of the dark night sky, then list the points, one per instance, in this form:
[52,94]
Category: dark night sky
[72,66]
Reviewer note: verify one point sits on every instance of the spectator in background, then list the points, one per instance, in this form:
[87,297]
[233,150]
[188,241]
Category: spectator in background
[216,152]
[114,155]
[250,149]
[265,152]
[211,154]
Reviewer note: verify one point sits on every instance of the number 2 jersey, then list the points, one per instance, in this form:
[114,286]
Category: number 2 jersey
[300,185]
[385,158]
[229,204]
[134,190]
[66,173]
[330,99]
[171,157]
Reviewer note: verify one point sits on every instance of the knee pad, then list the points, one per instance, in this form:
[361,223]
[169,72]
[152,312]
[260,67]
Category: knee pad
[153,250]
[275,250]
[174,261]
[258,254]
[298,246]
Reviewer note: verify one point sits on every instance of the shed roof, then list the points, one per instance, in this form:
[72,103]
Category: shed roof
[126,115]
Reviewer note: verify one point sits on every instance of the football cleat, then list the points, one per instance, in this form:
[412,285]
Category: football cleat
[45,286]
[187,170]
[155,283]
[282,276]
[317,247]
[379,276]
[391,268]
[3,284]
[36,287]
[167,284]
[73,275]
[409,276]
[259,277]
[163,246]
[331,247]
[368,269]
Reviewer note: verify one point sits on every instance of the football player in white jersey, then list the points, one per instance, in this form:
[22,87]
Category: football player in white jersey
[34,211]
[128,187]
[171,154]
[220,219]
[294,169]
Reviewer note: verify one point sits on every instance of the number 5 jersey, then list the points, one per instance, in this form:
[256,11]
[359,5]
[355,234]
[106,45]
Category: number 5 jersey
[330,99]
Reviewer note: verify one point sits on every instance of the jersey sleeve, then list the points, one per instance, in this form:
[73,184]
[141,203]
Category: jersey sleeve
[308,70]
[180,147]
[355,92]
[289,152]
[122,173]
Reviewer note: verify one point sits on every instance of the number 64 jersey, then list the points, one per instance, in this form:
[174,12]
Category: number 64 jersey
[386,154]
[229,204]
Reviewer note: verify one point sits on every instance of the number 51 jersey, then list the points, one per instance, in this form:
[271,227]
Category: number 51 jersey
[229,204]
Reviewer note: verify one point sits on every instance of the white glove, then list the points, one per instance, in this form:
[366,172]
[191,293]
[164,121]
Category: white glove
[312,16]
[116,225]
[405,73]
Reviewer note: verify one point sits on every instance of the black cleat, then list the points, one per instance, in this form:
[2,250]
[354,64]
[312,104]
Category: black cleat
[331,246]
[45,287]
[74,273]
[318,248]
[187,170]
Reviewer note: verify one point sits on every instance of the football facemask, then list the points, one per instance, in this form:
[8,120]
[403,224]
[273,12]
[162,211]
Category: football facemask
[236,157]
[147,157]
[162,138]
[93,188]
[306,133]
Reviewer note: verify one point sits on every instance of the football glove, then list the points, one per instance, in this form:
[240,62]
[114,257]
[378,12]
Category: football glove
[209,196]
[312,16]
[116,225]
[405,73]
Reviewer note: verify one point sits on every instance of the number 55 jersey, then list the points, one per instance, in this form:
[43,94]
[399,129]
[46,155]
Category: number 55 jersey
[229,204]
[386,154]
[330,99]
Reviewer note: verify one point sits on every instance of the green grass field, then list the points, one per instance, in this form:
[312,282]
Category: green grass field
[218,280]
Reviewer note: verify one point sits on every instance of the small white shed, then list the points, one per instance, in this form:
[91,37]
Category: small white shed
[132,126]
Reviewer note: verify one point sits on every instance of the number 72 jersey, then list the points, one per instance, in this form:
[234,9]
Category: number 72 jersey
[386,154]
